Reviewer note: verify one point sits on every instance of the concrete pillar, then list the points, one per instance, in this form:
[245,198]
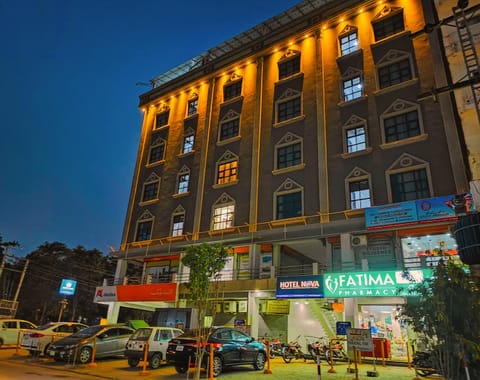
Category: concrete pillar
[120,271]
[112,313]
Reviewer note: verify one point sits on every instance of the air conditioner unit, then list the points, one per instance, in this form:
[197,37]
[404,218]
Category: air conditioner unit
[230,307]
[242,306]
[358,240]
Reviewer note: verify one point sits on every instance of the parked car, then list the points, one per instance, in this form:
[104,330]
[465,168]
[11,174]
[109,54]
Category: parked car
[157,339]
[12,330]
[38,341]
[232,347]
[109,340]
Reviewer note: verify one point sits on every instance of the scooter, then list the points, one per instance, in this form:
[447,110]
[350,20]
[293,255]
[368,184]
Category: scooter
[422,362]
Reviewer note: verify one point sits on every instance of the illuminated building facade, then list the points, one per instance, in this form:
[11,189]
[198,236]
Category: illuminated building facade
[275,143]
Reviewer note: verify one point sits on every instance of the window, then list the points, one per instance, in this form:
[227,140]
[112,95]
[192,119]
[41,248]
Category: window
[183,179]
[157,151]
[289,65]
[161,119]
[150,188]
[408,178]
[229,126]
[356,139]
[223,213]
[394,73]
[349,43]
[352,88]
[188,142]
[409,186]
[232,90]
[402,121]
[288,151]
[289,106]
[388,22]
[288,200]
[401,126]
[359,194]
[144,227]
[227,172]
[178,221]
[192,107]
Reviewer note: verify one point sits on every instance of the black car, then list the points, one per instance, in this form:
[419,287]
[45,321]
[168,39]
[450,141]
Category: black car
[232,347]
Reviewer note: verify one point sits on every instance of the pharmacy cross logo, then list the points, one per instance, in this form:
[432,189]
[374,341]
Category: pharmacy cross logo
[332,285]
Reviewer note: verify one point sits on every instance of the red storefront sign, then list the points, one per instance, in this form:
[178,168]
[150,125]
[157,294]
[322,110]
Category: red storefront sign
[148,292]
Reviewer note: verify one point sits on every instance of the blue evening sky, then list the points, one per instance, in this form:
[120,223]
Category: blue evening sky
[69,113]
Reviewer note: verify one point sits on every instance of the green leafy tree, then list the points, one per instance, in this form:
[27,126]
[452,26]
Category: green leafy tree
[446,316]
[205,262]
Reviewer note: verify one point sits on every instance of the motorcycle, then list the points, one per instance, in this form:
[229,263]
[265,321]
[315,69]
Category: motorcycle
[337,352]
[275,346]
[422,362]
[293,350]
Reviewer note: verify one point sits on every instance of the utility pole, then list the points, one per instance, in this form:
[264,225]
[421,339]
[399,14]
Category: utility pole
[22,276]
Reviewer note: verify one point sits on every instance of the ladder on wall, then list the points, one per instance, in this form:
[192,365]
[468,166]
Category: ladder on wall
[469,52]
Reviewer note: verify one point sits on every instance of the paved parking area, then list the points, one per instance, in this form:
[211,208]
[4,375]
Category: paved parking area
[118,369]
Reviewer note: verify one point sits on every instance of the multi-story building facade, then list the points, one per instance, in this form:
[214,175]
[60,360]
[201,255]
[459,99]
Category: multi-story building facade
[303,144]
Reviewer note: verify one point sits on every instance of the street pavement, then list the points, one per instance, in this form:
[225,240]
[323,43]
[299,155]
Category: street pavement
[118,369]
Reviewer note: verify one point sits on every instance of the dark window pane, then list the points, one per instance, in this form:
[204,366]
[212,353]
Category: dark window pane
[394,73]
[289,205]
[232,90]
[144,231]
[229,129]
[289,155]
[409,186]
[401,126]
[156,153]
[150,191]
[289,109]
[388,26]
[162,119]
[289,67]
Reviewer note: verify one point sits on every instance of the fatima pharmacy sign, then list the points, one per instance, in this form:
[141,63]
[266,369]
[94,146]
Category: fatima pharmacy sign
[373,284]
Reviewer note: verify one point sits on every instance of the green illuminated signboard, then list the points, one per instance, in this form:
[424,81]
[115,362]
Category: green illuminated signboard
[373,284]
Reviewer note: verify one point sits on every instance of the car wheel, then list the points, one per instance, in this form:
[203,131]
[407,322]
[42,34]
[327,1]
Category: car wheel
[85,355]
[181,368]
[217,366]
[155,361]
[133,362]
[260,361]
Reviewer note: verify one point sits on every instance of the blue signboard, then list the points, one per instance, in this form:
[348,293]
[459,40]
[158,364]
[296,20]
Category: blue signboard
[435,208]
[300,287]
[342,327]
[67,287]
[392,214]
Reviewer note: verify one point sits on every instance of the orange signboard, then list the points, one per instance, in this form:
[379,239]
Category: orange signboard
[149,292]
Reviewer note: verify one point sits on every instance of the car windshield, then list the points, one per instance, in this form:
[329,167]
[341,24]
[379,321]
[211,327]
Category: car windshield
[88,331]
[45,326]
[143,333]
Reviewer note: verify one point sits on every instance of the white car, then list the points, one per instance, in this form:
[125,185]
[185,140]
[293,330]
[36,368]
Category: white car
[157,339]
[12,330]
[37,341]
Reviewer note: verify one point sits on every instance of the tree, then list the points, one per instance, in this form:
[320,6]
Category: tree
[205,262]
[446,315]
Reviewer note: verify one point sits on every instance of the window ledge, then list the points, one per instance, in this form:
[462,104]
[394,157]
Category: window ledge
[289,121]
[220,185]
[177,238]
[354,213]
[409,140]
[228,141]
[181,155]
[232,100]
[180,195]
[161,162]
[288,221]
[161,127]
[357,153]
[391,38]
[349,55]
[396,87]
[149,202]
[288,169]
[192,116]
[344,103]
[223,231]
[286,79]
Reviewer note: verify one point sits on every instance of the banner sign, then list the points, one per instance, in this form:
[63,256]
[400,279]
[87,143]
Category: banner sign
[373,284]
[429,210]
[105,294]
[361,339]
[149,292]
[300,287]
[67,287]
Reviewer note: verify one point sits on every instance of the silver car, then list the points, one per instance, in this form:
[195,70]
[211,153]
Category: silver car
[12,330]
[106,340]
